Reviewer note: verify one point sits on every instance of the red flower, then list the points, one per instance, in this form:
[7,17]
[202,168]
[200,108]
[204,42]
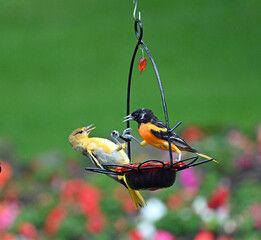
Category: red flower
[125,200]
[219,197]
[135,235]
[54,219]
[28,230]
[174,202]
[192,134]
[9,236]
[88,200]
[204,235]
[6,173]
[70,189]
[95,224]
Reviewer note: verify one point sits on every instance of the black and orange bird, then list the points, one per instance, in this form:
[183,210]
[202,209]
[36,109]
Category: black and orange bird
[155,133]
[102,151]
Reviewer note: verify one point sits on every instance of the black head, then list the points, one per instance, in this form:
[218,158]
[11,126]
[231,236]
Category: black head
[142,115]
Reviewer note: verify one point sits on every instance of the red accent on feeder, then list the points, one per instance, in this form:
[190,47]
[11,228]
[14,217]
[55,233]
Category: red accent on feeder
[149,164]
[150,175]
[142,64]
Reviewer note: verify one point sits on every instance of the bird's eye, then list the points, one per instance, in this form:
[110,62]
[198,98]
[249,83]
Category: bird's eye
[81,131]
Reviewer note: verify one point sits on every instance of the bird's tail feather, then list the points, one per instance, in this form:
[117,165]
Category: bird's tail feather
[206,156]
[135,195]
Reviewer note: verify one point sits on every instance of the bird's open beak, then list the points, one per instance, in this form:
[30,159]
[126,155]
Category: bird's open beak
[88,129]
[128,118]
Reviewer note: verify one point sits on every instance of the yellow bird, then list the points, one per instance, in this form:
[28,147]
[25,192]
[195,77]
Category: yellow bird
[102,151]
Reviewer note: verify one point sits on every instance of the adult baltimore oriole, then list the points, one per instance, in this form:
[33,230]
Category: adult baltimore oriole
[155,133]
[102,151]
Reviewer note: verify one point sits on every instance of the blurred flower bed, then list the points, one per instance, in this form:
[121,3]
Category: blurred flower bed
[53,197]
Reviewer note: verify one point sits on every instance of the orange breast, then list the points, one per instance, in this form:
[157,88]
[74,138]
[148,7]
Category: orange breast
[146,134]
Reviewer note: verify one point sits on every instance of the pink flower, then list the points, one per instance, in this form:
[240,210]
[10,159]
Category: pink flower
[163,235]
[245,161]
[8,214]
[189,179]
[255,211]
[239,140]
[259,143]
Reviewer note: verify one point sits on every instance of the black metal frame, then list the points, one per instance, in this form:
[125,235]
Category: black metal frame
[139,35]
[109,169]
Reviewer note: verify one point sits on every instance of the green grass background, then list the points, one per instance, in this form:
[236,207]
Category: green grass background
[64,64]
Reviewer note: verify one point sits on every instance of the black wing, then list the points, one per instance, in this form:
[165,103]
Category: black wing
[175,138]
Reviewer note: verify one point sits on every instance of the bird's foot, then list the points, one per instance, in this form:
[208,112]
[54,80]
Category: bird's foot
[127,135]
[114,135]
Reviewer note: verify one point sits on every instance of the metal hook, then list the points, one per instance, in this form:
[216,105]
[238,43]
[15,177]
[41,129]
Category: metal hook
[135,9]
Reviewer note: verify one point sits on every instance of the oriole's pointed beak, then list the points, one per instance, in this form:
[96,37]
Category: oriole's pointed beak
[128,118]
[88,129]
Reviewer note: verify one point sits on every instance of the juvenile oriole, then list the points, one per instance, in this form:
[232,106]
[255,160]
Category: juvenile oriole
[155,133]
[102,151]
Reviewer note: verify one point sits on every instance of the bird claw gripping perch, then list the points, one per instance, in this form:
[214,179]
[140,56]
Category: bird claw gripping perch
[126,135]
[127,131]
[115,135]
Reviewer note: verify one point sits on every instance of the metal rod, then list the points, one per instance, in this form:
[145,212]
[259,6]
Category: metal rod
[172,129]
[163,99]
[139,35]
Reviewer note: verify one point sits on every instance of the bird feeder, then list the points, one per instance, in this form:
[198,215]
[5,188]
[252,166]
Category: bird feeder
[151,174]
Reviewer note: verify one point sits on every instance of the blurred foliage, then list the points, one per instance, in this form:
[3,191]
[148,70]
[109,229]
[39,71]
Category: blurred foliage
[53,197]
[64,64]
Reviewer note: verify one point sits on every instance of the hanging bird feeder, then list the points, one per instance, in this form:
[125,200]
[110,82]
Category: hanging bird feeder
[151,174]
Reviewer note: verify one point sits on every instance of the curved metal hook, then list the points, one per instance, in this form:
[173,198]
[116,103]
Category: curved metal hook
[135,9]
